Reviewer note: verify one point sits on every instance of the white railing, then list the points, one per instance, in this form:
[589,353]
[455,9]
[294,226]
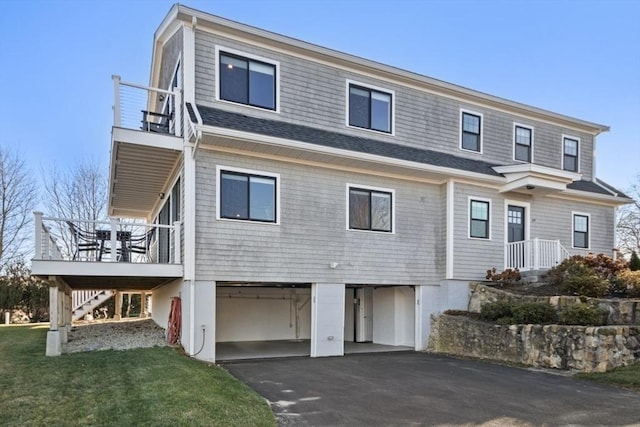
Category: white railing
[534,254]
[106,241]
[81,297]
[147,108]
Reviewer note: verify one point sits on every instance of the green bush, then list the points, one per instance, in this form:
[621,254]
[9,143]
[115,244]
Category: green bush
[534,313]
[603,266]
[634,262]
[496,310]
[628,282]
[583,280]
[582,314]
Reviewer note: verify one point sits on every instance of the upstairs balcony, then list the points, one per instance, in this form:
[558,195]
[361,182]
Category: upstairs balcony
[110,254]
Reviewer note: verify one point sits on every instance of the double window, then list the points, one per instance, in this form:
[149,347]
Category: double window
[370,209]
[479,213]
[471,131]
[523,142]
[370,108]
[570,149]
[246,80]
[581,230]
[247,196]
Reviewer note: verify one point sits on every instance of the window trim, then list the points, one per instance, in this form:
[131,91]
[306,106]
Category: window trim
[391,191]
[575,138]
[464,111]
[276,176]
[573,230]
[221,49]
[530,128]
[489,220]
[390,92]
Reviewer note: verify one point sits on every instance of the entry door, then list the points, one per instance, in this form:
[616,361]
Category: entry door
[515,223]
[364,314]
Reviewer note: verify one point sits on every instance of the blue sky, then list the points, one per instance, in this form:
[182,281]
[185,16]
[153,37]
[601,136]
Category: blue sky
[579,58]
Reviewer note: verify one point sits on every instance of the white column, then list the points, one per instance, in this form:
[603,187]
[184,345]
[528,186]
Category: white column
[116,100]
[114,239]
[143,304]
[327,319]
[427,303]
[54,343]
[38,235]
[118,314]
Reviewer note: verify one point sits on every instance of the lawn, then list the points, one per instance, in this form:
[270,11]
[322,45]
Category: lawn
[628,377]
[156,386]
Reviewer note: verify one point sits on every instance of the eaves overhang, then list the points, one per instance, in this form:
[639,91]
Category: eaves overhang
[535,179]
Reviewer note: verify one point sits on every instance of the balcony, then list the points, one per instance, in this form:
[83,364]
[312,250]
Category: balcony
[110,254]
[146,145]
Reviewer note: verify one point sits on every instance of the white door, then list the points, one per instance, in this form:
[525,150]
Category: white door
[364,313]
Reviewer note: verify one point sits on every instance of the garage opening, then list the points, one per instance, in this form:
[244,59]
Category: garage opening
[379,318]
[262,320]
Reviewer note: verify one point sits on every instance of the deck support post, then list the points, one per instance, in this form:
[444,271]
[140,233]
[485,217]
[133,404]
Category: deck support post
[143,305]
[54,340]
[118,314]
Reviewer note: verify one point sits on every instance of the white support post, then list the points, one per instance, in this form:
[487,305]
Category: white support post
[178,108]
[114,239]
[177,253]
[38,235]
[118,308]
[53,308]
[54,340]
[143,305]
[536,253]
[116,100]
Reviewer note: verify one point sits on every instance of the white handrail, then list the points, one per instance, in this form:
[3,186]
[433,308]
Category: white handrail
[534,254]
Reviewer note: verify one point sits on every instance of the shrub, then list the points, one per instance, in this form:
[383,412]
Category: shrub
[507,277]
[634,262]
[583,280]
[496,310]
[534,313]
[628,281]
[604,266]
[582,314]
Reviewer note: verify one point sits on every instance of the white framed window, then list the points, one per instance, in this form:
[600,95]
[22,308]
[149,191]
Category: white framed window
[247,195]
[570,153]
[247,79]
[370,208]
[370,107]
[470,131]
[479,218]
[522,143]
[581,226]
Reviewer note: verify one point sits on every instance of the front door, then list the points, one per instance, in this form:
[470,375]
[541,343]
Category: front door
[515,223]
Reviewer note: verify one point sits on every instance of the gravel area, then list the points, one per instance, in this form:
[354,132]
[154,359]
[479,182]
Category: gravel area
[114,335]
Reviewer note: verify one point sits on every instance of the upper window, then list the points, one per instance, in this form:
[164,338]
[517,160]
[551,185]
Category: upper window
[523,140]
[370,209]
[570,147]
[471,131]
[247,196]
[479,219]
[581,231]
[247,81]
[370,108]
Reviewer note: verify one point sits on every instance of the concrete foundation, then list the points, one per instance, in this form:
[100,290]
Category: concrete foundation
[54,343]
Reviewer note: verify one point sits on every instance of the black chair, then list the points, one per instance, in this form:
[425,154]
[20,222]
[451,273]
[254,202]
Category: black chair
[85,241]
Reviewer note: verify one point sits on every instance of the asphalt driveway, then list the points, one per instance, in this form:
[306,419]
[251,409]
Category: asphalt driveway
[420,389]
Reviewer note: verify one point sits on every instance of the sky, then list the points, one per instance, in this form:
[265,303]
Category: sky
[578,58]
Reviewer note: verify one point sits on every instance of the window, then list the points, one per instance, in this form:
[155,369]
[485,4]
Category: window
[570,154]
[370,209]
[471,132]
[369,108]
[246,196]
[523,138]
[479,219]
[581,231]
[247,81]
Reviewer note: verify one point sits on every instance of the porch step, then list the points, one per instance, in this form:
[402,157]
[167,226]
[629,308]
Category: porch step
[534,276]
[85,302]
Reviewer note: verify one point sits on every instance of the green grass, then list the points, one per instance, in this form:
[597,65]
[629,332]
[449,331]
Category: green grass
[628,377]
[156,386]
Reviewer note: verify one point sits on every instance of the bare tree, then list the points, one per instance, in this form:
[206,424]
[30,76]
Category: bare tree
[628,228]
[79,192]
[17,200]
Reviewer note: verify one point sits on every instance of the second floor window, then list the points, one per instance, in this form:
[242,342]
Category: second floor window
[570,154]
[369,108]
[471,124]
[247,197]
[523,139]
[247,81]
[370,209]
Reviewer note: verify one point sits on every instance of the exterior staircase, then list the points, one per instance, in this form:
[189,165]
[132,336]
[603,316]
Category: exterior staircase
[85,301]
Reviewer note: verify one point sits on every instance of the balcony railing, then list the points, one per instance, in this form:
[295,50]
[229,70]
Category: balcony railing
[62,239]
[147,108]
[534,254]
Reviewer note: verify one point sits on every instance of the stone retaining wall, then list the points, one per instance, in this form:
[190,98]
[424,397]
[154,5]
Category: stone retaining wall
[619,311]
[581,348]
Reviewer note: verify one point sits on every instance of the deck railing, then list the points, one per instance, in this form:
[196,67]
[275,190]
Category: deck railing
[147,108]
[534,254]
[106,241]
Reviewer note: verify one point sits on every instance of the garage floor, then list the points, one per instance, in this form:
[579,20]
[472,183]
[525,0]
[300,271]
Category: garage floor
[289,348]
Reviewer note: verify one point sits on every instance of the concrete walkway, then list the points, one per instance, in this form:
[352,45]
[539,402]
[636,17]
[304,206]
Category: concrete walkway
[418,389]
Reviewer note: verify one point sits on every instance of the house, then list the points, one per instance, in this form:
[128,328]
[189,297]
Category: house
[289,192]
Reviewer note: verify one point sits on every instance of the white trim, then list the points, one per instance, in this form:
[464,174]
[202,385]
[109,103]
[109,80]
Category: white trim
[220,168]
[527,218]
[450,223]
[481,142]
[573,224]
[371,188]
[490,220]
[575,138]
[521,125]
[188,68]
[377,89]
[276,64]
